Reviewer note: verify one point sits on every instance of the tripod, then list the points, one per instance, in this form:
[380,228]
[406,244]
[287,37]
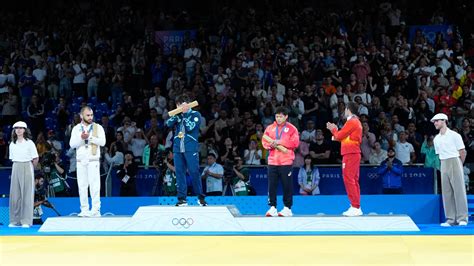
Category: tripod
[156,190]
[228,185]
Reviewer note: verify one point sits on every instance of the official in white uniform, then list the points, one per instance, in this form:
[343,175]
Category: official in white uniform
[87,137]
[24,155]
[452,153]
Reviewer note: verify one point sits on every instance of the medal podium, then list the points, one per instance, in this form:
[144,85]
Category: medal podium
[224,219]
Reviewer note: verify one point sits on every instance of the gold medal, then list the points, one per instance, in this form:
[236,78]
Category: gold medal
[180,135]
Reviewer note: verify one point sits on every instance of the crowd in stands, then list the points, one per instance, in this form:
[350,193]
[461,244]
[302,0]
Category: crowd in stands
[243,63]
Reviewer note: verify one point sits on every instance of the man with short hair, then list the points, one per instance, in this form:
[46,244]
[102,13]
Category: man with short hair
[213,174]
[404,150]
[157,102]
[87,137]
[350,136]
[280,164]
[452,153]
[391,170]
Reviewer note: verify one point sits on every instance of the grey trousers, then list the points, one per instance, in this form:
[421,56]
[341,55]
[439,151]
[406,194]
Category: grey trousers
[453,190]
[22,193]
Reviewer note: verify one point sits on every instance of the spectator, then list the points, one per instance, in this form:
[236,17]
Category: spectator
[404,150]
[55,145]
[361,108]
[114,158]
[391,170]
[127,174]
[229,151]
[309,134]
[35,112]
[252,155]
[467,135]
[213,174]
[431,158]
[335,99]
[137,145]
[368,141]
[151,151]
[79,82]
[128,130]
[26,85]
[192,55]
[10,108]
[377,154]
[108,129]
[308,178]
[158,102]
[320,150]
[414,138]
[41,145]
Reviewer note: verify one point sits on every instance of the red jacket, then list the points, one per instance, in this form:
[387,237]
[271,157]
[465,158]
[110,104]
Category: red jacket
[350,136]
[290,138]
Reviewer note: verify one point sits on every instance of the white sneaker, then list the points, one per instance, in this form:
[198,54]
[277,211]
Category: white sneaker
[13,225]
[94,214]
[462,223]
[25,226]
[351,212]
[446,224]
[285,212]
[84,214]
[272,212]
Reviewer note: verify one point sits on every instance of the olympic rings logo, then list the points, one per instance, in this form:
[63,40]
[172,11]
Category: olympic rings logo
[373,175]
[182,222]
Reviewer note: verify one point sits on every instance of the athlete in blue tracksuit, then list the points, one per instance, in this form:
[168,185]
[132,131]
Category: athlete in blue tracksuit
[186,150]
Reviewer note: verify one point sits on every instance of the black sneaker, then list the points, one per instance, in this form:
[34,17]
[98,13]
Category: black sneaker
[202,202]
[181,203]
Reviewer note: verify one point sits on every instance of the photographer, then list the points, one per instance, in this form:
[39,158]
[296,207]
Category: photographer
[240,179]
[127,174]
[40,198]
[169,177]
[54,173]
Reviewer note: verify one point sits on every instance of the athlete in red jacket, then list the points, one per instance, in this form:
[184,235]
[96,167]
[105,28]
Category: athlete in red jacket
[350,136]
[280,164]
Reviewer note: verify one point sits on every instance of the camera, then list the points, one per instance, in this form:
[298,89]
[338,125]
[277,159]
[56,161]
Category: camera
[160,158]
[47,162]
[229,169]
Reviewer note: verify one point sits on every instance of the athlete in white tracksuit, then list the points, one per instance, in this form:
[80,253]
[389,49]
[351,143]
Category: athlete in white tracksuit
[87,143]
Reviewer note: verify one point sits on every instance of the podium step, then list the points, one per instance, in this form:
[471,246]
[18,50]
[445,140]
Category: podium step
[224,219]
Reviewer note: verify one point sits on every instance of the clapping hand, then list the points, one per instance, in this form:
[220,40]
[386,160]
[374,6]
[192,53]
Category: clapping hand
[330,126]
[85,135]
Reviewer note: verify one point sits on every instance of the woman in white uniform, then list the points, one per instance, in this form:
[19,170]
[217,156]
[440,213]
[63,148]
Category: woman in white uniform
[24,155]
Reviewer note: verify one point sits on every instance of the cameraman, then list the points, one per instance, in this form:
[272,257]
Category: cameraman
[169,177]
[127,174]
[240,179]
[53,170]
[40,198]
